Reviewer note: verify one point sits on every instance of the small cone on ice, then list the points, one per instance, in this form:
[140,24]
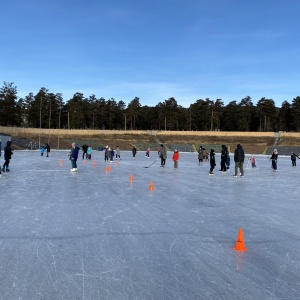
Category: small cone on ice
[95,164]
[106,170]
[151,187]
[60,162]
[84,161]
[240,245]
[117,162]
[131,177]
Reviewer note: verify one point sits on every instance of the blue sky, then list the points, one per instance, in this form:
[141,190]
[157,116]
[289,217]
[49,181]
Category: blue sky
[154,50]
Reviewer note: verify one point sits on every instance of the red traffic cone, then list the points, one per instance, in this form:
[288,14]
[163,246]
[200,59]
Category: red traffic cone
[151,187]
[240,245]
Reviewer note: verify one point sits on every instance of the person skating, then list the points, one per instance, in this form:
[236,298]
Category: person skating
[106,153]
[273,158]
[163,155]
[212,160]
[74,156]
[47,150]
[200,155]
[224,154]
[293,159]
[134,152]
[111,154]
[148,153]
[118,153]
[239,157]
[89,152]
[7,156]
[175,158]
[84,151]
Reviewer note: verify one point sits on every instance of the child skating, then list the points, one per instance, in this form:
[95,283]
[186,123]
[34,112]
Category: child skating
[148,153]
[175,158]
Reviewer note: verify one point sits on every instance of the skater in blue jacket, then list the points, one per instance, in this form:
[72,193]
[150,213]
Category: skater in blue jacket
[74,156]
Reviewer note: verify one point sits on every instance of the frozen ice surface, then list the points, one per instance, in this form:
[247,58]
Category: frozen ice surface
[96,235]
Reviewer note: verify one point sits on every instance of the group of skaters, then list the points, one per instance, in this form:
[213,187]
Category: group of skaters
[110,153]
[86,151]
[239,157]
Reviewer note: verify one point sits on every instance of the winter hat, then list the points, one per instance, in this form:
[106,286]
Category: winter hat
[161,145]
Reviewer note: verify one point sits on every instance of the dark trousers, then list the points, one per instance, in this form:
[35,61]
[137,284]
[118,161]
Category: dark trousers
[6,163]
[223,165]
[74,164]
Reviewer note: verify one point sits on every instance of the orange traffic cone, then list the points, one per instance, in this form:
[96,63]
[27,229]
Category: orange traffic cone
[240,245]
[106,170]
[95,164]
[60,162]
[84,161]
[151,187]
[131,177]
[117,162]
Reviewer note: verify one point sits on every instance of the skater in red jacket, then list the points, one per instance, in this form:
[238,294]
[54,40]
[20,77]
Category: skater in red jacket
[175,158]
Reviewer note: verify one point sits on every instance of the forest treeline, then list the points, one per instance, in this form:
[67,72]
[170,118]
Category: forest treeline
[48,110]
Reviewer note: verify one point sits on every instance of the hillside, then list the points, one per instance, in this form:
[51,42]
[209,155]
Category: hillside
[252,142]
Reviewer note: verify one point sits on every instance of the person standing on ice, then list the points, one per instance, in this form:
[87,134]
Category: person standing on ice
[7,156]
[224,154]
[175,158]
[118,153]
[111,154]
[163,155]
[134,152]
[89,152]
[84,151]
[212,160]
[148,153]
[239,157]
[273,158]
[200,155]
[106,153]
[74,156]
[47,150]
[293,159]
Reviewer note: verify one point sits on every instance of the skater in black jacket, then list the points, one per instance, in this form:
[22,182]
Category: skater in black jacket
[273,158]
[7,156]
[293,159]
[212,161]
[239,157]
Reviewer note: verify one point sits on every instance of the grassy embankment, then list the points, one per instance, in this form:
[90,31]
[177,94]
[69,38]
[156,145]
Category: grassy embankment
[252,142]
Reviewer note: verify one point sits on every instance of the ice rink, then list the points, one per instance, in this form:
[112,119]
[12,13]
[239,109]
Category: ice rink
[96,234]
